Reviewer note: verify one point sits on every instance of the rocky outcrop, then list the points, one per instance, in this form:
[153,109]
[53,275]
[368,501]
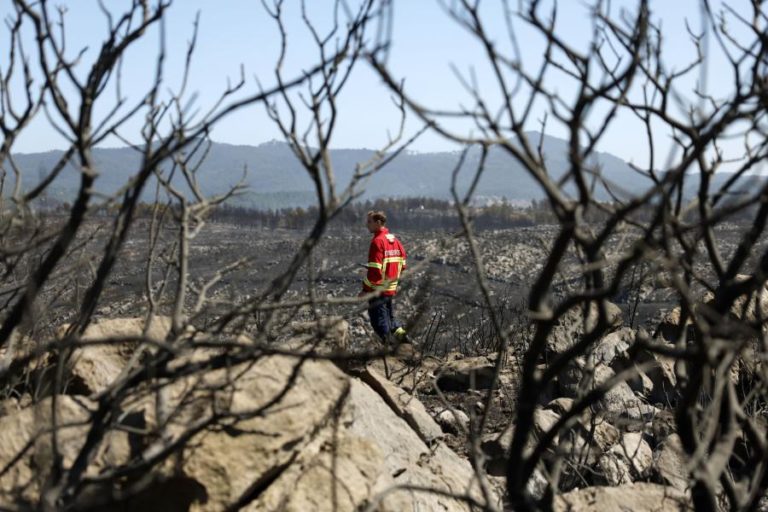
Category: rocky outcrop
[408,461]
[297,433]
[277,407]
[608,351]
[373,458]
[278,433]
[619,401]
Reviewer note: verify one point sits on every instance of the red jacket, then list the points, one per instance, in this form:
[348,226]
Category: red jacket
[386,259]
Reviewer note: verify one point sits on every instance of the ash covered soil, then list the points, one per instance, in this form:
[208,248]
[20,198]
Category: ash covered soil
[440,262]
[439,297]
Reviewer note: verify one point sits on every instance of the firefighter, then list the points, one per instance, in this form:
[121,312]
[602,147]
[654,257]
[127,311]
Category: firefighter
[386,260]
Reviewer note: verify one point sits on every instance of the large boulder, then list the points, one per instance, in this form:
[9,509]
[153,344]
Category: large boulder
[291,424]
[408,462]
[277,432]
[327,476]
[297,433]
[94,367]
[253,420]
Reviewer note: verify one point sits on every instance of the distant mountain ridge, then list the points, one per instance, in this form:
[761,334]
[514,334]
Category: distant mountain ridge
[275,178]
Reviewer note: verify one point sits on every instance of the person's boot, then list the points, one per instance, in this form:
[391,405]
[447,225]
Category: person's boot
[401,336]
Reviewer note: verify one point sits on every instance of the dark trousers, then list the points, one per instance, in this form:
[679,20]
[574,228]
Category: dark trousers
[382,315]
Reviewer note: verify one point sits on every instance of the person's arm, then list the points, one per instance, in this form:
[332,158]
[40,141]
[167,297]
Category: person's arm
[375,265]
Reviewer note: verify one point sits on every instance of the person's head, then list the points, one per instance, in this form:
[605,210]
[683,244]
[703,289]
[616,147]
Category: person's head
[375,220]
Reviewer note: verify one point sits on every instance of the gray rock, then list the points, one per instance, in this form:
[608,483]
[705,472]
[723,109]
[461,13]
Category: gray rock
[496,448]
[610,350]
[404,405]
[537,484]
[613,345]
[663,425]
[407,460]
[670,463]
[544,420]
[94,367]
[748,308]
[363,460]
[598,432]
[641,383]
[453,421]
[669,326]
[27,450]
[560,405]
[574,323]
[637,497]
[620,401]
[570,379]
[465,374]
[614,470]
[662,375]
[628,460]
[329,334]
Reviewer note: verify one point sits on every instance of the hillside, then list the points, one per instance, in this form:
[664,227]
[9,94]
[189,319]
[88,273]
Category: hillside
[275,178]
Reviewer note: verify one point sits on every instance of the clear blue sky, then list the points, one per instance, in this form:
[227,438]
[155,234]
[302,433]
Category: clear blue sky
[235,33]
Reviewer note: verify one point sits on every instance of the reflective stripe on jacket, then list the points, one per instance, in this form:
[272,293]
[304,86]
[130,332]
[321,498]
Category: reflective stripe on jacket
[386,259]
